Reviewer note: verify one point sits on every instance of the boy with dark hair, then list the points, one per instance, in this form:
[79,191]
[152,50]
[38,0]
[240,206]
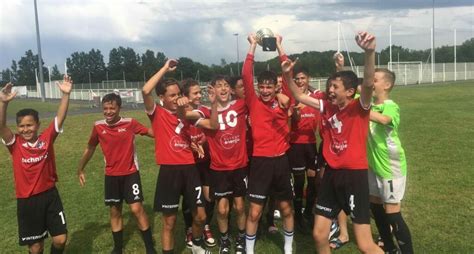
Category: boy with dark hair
[303,154]
[227,143]
[387,166]
[269,168]
[200,148]
[39,207]
[178,174]
[345,122]
[116,136]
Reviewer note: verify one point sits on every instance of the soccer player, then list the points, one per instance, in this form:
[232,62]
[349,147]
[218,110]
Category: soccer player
[303,154]
[178,174]
[39,207]
[387,166]
[116,136]
[200,148]
[345,122]
[228,150]
[269,168]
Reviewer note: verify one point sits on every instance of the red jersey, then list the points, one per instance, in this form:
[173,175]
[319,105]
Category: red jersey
[34,165]
[118,144]
[172,138]
[270,129]
[228,147]
[198,137]
[303,126]
[345,135]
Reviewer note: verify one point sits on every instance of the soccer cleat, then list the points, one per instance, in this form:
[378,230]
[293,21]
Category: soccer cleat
[196,249]
[272,229]
[224,247]
[189,238]
[335,230]
[240,245]
[208,238]
[276,214]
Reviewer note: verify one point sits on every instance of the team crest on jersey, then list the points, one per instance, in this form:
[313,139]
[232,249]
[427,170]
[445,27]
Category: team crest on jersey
[177,144]
[104,132]
[38,145]
[121,130]
[338,146]
[274,105]
[228,141]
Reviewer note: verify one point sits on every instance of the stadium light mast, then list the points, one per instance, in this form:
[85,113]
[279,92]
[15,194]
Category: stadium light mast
[455,57]
[390,42]
[237,46]
[40,59]
[338,37]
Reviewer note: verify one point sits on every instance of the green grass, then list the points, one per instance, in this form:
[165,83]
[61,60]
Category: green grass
[436,131]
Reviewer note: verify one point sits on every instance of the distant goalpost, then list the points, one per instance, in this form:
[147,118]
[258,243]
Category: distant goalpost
[409,72]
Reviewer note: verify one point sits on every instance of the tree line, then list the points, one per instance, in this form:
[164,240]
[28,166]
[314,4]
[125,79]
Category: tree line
[126,64]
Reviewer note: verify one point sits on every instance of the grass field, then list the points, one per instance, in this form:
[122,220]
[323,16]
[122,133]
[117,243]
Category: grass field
[437,130]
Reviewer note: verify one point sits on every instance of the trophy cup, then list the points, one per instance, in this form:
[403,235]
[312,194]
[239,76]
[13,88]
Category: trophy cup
[266,39]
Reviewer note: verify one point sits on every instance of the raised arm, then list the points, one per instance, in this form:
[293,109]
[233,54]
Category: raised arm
[6,95]
[247,70]
[150,85]
[380,118]
[287,69]
[65,86]
[367,42]
[86,156]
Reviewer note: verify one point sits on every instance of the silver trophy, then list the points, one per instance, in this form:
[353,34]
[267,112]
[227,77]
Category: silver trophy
[266,39]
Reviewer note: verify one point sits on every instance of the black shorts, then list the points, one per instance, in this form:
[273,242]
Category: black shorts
[347,190]
[204,172]
[270,176]
[40,214]
[320,161]
[227,184]
[118,188]
[302,157]
[174,181]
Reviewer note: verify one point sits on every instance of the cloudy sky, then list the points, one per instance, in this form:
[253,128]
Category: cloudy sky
[204,30]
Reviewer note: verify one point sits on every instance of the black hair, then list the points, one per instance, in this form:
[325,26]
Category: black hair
[220,77]
[349,79]
[233,81]
[27,112]
[112,97]
[267,76]
[187,84]
[300,69]
[160,89]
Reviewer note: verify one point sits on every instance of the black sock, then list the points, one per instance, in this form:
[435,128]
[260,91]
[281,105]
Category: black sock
[55,250]
[118,240]
[209,211]
[383,226]
[224,236]
[310,196]
[147,238]
[298,187]
[401,232]
[198,241]
[167,251]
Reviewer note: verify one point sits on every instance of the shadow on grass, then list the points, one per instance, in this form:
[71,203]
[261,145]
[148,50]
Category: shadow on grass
[81,241]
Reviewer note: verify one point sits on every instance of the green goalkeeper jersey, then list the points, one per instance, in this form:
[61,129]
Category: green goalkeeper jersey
[385,153]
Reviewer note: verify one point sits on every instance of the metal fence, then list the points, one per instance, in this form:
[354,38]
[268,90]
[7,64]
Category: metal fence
[407,73]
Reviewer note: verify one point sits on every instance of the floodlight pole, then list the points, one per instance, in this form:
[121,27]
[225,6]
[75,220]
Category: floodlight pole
[455,57]
[40,61]
[237,46]
[390,42]
[338,37]
[434,32]
[432,56]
